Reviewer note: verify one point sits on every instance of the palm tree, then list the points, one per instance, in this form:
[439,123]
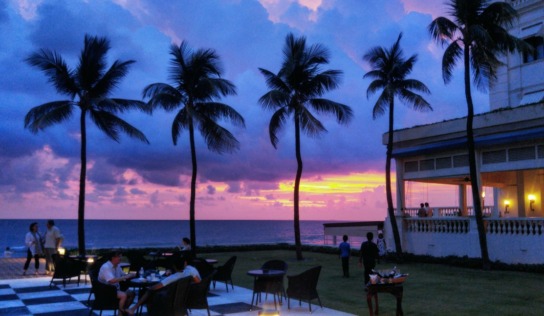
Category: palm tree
[295,90]
[88,87]
[476,36]
[389,72]
[197,84]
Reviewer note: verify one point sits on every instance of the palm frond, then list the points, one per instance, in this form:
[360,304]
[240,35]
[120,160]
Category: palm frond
[342,112]
[47,114]
[115,105]
[181,122]
[310,125]
[217,110]
[277,121]
[112,125]
[374,86]
[55,68]
[110,79]
[414,101]
[163,95]
[274,99]
[274,81]
[92,61]
[452,55]
[443,30]
[382,104]
[413,84]
[323,82]
[211,88]
[218,139]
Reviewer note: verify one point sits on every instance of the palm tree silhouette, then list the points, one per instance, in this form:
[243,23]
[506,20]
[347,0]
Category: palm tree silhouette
[88,86]
[197,83]
[476,36]
[389,72]
[295,90]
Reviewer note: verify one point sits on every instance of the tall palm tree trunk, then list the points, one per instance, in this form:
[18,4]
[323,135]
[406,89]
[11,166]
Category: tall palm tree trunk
[192,223]
[472,165]
[298,244]
[82,179]
[390,209]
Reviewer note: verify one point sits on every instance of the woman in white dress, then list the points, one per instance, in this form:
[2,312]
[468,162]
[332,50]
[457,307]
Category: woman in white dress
[34,243]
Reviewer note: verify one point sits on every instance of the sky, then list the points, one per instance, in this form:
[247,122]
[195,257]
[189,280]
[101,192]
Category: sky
[343,177]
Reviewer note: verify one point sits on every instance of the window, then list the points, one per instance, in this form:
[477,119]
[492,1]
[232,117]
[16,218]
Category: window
[537,43]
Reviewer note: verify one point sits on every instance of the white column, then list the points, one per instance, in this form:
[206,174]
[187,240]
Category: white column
[496,205]
[520,179]
[463,199]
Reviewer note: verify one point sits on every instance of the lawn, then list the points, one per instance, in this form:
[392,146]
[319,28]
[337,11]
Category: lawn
[431,289]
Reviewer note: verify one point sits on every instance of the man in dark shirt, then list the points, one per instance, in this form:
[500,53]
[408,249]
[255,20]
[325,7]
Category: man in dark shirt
[369,255]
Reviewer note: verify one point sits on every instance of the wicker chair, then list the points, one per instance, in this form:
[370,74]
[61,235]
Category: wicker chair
[224,273]
[198,294]
[304,287]
[171,300]
[66,268]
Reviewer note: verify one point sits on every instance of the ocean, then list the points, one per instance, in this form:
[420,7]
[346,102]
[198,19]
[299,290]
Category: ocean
[164,233]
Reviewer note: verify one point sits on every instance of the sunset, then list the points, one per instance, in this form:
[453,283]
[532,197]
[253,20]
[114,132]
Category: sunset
[343,176]
[185,157]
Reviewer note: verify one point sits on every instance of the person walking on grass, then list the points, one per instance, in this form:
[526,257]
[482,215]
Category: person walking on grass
[345,251]
[34,243]
[369,255]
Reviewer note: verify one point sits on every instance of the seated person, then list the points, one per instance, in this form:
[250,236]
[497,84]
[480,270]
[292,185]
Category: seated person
[111,273]
[182,269]
[185,244]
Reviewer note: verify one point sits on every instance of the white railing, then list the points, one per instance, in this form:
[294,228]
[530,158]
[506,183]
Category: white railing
[486,210]
[431,225]
[448,211]
[517,226]
[509,240]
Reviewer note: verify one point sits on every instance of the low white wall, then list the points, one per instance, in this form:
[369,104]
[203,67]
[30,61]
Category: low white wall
[509,240]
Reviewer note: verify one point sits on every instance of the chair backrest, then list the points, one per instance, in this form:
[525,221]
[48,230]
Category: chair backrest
[105,295]
[275,265]
[203,267]
[198,293]
[305,281]
[227,268]
[181,296]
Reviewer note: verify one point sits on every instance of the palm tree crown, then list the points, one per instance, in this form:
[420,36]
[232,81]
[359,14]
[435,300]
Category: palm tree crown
[297,87]
[480,27]
[389,72]
[88,87]
[197,83]
[296,90]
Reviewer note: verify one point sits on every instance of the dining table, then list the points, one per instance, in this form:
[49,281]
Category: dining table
[141,285]
[395,289]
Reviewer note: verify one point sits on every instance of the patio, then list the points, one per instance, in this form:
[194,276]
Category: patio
[33,296]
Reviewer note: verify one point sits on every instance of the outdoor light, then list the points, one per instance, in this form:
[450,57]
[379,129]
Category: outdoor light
[90,260]
[531,202]
[506,206]
[62,251]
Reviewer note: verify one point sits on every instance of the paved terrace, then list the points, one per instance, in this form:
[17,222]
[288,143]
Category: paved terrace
[31,295]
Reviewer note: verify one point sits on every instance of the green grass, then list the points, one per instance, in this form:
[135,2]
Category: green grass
[431,289]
